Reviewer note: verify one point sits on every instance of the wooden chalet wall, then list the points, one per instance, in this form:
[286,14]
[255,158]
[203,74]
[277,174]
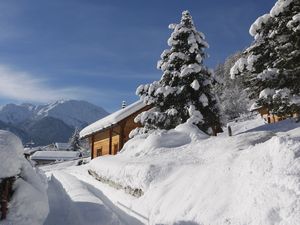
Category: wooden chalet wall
[271,118]
[112,139]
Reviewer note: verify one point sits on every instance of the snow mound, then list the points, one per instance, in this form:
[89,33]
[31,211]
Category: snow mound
[128,167]
[11,153]
[29,203]
[259,185]
[250,178]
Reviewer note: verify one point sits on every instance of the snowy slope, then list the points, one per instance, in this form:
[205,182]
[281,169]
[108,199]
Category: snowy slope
[251,178]
[14,114]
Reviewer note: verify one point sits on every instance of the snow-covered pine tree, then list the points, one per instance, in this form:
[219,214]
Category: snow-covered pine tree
[75,141]
[271,65]
[230,92]
[184,91]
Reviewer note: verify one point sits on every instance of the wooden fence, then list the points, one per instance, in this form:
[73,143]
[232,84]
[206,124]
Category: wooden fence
[6,192]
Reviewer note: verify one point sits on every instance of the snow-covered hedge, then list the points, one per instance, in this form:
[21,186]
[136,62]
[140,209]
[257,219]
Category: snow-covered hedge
[146,157]
[29,203]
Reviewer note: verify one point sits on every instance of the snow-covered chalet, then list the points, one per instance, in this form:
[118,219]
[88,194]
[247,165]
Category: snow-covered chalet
[109,134]
[269,117]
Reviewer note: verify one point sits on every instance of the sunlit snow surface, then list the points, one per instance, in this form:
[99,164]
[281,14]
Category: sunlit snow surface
[190,178]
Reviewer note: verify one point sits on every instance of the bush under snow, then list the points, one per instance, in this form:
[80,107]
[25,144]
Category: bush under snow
[29,203]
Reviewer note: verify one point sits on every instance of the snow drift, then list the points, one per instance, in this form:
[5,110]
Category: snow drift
[29,203]
[250,178]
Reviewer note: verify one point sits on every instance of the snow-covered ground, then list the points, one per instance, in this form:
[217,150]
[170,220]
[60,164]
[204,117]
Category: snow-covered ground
[187,177]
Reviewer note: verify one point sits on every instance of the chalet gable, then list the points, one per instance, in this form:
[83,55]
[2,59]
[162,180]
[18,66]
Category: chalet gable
[111,119]
[108,135]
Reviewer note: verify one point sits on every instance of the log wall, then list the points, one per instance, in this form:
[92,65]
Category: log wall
[112,139]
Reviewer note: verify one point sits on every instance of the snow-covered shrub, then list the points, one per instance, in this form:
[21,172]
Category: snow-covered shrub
[29,203]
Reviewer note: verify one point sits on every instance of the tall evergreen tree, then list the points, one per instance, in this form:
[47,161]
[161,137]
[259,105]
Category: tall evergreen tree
[271,65]
[75,141]
[184,91]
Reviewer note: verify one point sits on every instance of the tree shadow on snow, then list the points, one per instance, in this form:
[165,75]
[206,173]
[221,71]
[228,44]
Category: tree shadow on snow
[281,126]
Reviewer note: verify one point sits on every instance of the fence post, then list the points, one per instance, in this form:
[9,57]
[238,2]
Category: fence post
[4,196]
[6,189]
[229,130]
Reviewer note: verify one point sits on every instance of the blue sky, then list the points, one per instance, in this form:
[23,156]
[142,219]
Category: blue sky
[100,50]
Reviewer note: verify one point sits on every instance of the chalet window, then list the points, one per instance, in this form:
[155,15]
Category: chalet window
[99,151]
[116,148]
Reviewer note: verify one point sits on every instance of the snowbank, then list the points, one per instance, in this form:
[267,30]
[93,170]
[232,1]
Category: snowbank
[29,203]
[145,158]
[186,177]
[11,153]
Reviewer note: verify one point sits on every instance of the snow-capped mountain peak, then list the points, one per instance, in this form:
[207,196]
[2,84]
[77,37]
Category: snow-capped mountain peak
[75,113]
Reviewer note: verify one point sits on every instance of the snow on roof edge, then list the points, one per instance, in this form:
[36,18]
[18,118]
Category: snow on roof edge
[254,107]
[112,119]
[52,155]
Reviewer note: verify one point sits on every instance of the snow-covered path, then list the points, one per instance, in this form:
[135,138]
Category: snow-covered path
[59,205]
[75,202]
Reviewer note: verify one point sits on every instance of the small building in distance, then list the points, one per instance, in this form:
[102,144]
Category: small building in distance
[269,117]
[47,157]
[108,135]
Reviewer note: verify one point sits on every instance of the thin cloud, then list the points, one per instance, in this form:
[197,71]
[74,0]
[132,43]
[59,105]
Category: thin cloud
[116,74]
[22,86]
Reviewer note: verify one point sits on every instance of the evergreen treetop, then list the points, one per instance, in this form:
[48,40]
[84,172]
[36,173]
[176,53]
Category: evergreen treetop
[75,141]
[184,91]
[271,65]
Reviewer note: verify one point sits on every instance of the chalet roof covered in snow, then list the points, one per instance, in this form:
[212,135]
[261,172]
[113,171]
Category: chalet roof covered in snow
[254,107]
[30,151]
[55,155]
[112,119]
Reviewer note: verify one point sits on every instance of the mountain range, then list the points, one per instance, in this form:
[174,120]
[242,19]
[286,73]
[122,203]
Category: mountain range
[48,123]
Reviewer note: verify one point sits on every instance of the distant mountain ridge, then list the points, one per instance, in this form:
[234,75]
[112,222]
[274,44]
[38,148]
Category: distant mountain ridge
[47,123]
